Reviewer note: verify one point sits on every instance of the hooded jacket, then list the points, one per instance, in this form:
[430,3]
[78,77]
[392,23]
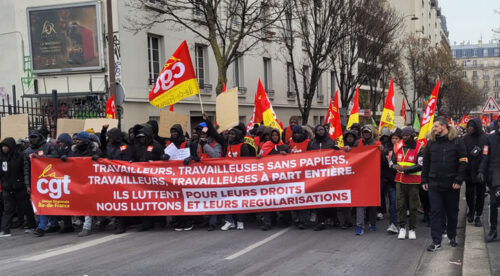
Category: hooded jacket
[151,150]
[90,150]
[271,148]
[154,125]
[354,134]
[118,149]
[386,155]
[490,163]
[11,173]
[474,143]
[42,149]
[445,161]
[179,140]
[369,141]
[321,142]
[246,149]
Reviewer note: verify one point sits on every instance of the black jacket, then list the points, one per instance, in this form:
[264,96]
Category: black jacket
[11,173]
[321,142]
[91,150]
[490,164]
[474,143]
[445,161]
[118,149]
[151,151]
[42,149]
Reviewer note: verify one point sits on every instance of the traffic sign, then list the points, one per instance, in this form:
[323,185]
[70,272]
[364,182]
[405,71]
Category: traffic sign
[491,106]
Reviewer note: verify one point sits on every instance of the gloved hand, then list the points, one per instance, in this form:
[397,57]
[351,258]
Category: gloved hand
[480,177]
[165,157]
[64,158]
[203,141]
[95,157]
[187,160]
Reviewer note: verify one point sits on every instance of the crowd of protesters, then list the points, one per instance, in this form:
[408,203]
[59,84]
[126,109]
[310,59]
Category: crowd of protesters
[414,178]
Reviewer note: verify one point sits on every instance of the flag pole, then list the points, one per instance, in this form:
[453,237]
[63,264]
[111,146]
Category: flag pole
[201,104]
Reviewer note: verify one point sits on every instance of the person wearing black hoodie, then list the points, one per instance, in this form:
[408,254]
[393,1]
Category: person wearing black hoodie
[320,141]
[299,141]
[474,188]
[489,171]
[14,190]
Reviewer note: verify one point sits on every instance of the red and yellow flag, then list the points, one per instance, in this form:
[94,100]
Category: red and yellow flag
[354,117]
[176,80]
[465,120]
[110,108]
[335,130]
[403,110]
[387,119]
[428,116]
[329,112]
[263,110]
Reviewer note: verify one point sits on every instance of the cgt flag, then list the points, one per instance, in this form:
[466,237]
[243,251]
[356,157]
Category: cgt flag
[465,120]
[176,80]
[354,117]
[335,130]
[387,119]
[110,108]
[263,110]
[428,116]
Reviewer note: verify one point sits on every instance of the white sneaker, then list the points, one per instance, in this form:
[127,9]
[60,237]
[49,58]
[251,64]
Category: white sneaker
[392,229]
[412,235]
[227,226]
[240,225]
[380,216]
[3,234]
[445,236]
[402,234]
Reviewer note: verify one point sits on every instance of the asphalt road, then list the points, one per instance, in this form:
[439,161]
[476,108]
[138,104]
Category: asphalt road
[281,251]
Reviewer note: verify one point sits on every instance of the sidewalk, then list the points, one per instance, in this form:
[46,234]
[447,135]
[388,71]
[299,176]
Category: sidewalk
[481,258]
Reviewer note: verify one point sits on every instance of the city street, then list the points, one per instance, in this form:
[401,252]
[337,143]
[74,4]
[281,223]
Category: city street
[281,251]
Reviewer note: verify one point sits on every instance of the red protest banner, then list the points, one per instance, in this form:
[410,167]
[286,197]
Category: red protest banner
[313,179]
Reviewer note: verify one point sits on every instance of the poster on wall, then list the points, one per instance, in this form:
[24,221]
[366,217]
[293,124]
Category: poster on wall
[65,38]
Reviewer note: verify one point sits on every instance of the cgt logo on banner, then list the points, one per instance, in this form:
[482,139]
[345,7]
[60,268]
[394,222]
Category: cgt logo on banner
[51,184]
[307,180]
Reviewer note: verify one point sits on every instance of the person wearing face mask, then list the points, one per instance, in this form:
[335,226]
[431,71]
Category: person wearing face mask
[407,161]
[271,147]
[321,141]
[443,171]
[474,188]
[287,133]
[14,191]
[489,171]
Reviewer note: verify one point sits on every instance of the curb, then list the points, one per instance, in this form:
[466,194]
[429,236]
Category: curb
[476,260]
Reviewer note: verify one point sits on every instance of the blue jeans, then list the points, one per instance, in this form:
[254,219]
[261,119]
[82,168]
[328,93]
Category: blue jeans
[391,190]
[47,221]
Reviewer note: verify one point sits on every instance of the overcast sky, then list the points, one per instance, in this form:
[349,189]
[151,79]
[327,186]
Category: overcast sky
[469,19]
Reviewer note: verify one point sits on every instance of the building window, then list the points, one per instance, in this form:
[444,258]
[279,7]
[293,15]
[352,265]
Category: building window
[267,73]
[454,52]
[201,65]
[319,87]
[497,52]
[238,70]
[465,74]
[464,63]
[305,74]
[485,63]
[485,84]
[289,78]
[153,58]
[496,95]
[474,63]
[474,73]
[485,52]
[198,7]
[333,82]
[496,84]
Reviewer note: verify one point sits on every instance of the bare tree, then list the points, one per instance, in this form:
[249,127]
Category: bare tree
[460,97]
[317,25]
[230,27]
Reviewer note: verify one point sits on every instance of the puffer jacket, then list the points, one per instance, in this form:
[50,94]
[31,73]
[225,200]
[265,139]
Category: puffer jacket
[151,151]
[11,173]
[474,143]
[445,161]
[118,149]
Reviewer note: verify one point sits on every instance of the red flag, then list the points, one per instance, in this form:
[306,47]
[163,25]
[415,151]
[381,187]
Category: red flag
[465,120]
[329,112]
[335,130]
[110,108]
[354,117]
[223,87]
[171,108]
[176,80]
[485,120]
[403,110]
[263,110]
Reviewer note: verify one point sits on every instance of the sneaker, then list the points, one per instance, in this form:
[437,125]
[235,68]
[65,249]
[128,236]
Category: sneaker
[380,216]
[29,230]
[189,227]
[265,227]
[445,236]
[211,227]
[373,228]
[228,225]
[319,227]
[492,235]
[470,218]
[477,222]
[5,234]
[402,233]
[301,226]
[84,233]
[359,231]
[392,229]
[39,232]
[453,242]
[240,225]
[178,229]
[412,235]
[433,247]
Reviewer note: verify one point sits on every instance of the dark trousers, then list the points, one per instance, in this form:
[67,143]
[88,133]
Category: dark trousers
[444,202]
[424,201]
[16,200]
[384,185]
[474,194]
[494,204]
